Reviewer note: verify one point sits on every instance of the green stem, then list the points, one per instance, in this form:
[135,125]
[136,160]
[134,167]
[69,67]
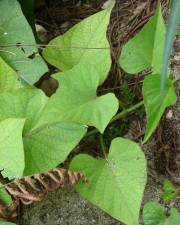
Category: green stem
[118,116]
[103,148]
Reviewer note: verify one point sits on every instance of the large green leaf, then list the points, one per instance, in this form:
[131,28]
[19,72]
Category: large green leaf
[85,43]
[115,184]
[145,50]
[154,214]
[11,148]
[23,103]
[45,146]
[14,30]
[76,99]
[49,145]
[8,78]
[153,102]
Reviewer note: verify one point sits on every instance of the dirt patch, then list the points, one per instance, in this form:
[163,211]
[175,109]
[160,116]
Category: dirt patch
[65,207]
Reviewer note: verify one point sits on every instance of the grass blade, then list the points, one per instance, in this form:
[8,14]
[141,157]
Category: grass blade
[174,18]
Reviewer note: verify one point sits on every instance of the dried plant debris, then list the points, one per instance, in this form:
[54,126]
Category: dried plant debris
[36,188]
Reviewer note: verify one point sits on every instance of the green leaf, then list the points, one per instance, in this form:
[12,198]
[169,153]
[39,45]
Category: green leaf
[84,43]
[23,103]
[174,218]
[145,50]
[170,192]
[153,214]
[14,29]
[76,99]
[154,105]
[174,19]
[115,184]
[8,78]
[4,196]
[6,223]
[11,148]
[28,10]
[47,145]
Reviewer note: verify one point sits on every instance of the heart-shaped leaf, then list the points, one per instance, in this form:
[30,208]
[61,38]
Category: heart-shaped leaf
[154,104]
[11,148]
[84,43]
[115,184]
[8,78]
[76,99]
[145,50]
[14,31]
[47,145]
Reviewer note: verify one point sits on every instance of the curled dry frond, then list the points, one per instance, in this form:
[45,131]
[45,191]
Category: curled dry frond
[36,188]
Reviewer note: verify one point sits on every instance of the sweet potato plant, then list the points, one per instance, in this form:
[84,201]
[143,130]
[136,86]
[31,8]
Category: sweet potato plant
[37,133]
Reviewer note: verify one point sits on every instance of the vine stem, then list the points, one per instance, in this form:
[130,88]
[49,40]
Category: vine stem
[102,145]
[118,116]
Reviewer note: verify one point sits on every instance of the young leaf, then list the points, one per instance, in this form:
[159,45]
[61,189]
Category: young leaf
[152,100]
[174,218]
[4,196]
[8,78]
[153,214]
[145,50]
[47,145]
[174,19]
[11,148]
[84,43]
[115,184]
[14,30]
[76,99]
[170,192]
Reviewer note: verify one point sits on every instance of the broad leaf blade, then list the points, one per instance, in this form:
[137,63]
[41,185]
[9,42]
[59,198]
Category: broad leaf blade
[8,78]
[154,106]
[47,145]
[23,103]
[14,30]
[11,148]
[145,50]
[84,43]
[116,184]
[76,99]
